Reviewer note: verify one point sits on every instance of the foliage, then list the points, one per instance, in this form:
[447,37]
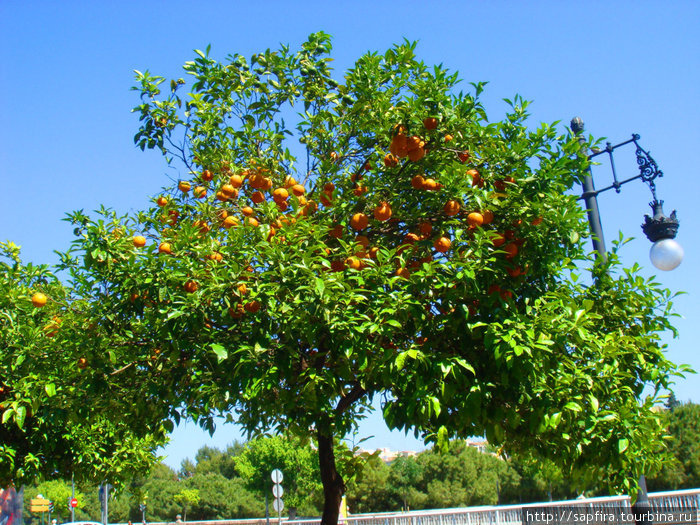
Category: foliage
[187,498]
[683,468]
[298,463]
[50,418]
[426,255]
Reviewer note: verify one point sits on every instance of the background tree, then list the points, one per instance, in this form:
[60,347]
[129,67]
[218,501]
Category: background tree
[369,490]
[416,251]
[187,498]
[405,475]
[298,463]
[683,468]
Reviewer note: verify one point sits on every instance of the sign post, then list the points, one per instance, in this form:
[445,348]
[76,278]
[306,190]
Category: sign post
[277,492]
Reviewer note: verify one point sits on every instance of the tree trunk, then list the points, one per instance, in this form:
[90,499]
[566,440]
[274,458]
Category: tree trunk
[333,486]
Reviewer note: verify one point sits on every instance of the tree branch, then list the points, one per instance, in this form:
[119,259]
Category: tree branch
[356,393]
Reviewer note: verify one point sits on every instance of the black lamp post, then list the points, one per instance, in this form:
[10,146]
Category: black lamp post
[665,254]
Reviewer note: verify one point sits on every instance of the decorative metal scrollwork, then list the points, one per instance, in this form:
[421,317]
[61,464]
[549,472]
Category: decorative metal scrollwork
[648,169]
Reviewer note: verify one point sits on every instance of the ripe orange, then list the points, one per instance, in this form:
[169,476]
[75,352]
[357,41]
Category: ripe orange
[475,219]
[425,228]
[236,181]
[266,183]
[230,222]
[247,211]
[39,299]
[353,263]
[359,221]
[222,196]
[257,197]
[252,221]
[359,190]
[463,156]
[282,205]
[326,199]
[200,192]
[242,289]
[165,247]
[203,226]
[207,175]
[515,271]
[373,252]
[309,208]
[430,185]
[488,216]
[499,240]
[329,187]
[162,201]
[418,181]
[216,257]
[451,208]
[228,190]
[382,212]
[399,145]
[430,123]
[403,272]
[290,182]
[191,286]
[336,231]
[442,244]
[475,175]
[139,241]
[362,240]
[280,194]
[252,306]
[298,190]
[390,160]
[416,154]
[448,138]
[82,363]
[334,156]
[184,186]
[411,238]
[537,221]
[337,265]
[236,312]
[511,250]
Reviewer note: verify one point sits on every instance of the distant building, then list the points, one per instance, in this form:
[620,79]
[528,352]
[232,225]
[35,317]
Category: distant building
[387,455]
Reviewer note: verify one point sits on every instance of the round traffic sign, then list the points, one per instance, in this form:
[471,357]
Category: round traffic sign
[73,502]
[277,476]
[278,505]
[277,490]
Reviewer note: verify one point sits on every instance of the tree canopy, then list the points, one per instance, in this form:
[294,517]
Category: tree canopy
[332,240]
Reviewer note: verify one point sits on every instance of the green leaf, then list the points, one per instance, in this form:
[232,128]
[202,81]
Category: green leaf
[622,445]
[21,414]
[220,351]
[50,389]
[320,286]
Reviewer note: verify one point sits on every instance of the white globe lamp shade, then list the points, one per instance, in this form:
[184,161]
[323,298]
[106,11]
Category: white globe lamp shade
[666,254]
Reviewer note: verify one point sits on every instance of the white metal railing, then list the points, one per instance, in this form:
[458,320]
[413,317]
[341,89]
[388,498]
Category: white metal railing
[486,515]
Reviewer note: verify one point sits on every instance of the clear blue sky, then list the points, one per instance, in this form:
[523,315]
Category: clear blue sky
[624,67]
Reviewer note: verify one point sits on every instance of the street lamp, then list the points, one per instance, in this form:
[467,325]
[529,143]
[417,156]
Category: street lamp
[665,254]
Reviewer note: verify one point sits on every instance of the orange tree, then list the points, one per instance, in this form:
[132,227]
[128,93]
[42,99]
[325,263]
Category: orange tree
[330,241]
[53,420]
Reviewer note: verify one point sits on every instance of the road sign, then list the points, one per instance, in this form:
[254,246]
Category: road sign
[277,490]
[278,505]
[39,505]
[73,502]
[277,476]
